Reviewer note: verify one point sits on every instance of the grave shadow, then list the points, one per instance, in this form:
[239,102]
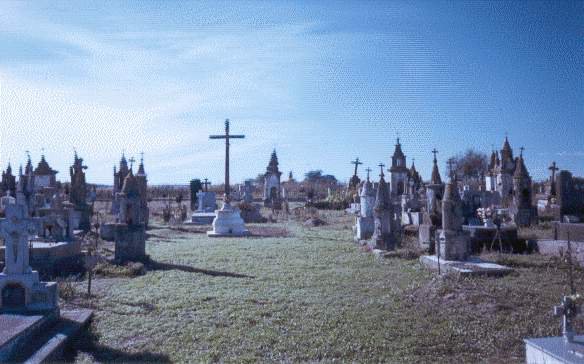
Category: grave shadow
[88,343]
[154,266]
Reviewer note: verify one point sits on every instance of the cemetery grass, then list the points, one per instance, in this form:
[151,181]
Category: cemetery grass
[313,296]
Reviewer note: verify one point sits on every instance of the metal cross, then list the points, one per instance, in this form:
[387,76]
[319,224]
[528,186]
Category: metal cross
[227,137]
[434,151]
[522,149]
[206,184]
[381,165]
[132,160]
[568,310]
[554,169]
[368,170]
[356,162]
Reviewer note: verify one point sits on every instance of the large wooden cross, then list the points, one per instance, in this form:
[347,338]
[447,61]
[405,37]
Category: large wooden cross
[356,162]
[227,137]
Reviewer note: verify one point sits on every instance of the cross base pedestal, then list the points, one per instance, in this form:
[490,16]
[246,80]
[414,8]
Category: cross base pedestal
[228,223]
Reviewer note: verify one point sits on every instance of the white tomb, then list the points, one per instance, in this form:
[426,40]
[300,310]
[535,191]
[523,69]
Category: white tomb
[20,287]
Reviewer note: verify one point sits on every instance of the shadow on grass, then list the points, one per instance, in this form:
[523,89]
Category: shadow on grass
[153,265]
[88,344]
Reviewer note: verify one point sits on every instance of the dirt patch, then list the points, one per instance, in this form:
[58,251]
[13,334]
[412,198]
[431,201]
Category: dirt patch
[315,222]
[269,232]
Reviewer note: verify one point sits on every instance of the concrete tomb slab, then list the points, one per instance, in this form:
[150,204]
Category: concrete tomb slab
[469,267]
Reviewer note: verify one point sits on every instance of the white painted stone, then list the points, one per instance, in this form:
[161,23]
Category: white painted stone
[554,350]
[228,222]
[472,266]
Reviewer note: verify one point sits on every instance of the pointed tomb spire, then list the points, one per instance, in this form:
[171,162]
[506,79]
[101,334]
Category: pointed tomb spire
[436,179]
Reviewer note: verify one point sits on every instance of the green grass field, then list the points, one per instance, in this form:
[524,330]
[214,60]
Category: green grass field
[313,296]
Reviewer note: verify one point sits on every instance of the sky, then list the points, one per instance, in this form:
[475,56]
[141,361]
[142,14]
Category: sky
[320,82]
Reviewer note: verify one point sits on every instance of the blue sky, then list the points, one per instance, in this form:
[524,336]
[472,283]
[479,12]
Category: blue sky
[322,82]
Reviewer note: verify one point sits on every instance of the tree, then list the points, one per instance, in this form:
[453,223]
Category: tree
[196,186]
[313,176]
[470,164]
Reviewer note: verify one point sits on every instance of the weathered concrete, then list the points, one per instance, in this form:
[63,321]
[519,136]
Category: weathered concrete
[554,350]
[470,267]
[559,248]
[18,330]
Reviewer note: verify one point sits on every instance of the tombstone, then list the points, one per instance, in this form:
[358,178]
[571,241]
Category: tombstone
[20,287]
[453,243]
[228,221]
[78,194]
[248,192]
[365,223]
[385,225]
[272,187]
[207,201]
[129,230]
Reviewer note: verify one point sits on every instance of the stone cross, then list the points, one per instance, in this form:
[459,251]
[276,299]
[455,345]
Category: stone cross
[15,230]
[381,165]
[206,184]
[356,162]
[368,170]
[227,137]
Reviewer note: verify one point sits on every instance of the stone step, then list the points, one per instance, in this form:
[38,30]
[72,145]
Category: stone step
[51,345]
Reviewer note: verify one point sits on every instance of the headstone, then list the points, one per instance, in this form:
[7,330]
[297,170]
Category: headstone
[365,223]
[248,192]
[453,243]
[385,224]
[207,201]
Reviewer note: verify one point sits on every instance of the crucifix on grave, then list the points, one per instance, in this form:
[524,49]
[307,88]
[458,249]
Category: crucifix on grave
[15,230]
[554,168]
[381,165]
[368,170]
[356,162]
[227,137]
[206,184]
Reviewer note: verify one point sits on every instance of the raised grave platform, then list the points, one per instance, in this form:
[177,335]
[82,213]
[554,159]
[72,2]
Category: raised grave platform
[18,330]
[37,338]
[201,218]
[554,350]
[471,267]
[48,256]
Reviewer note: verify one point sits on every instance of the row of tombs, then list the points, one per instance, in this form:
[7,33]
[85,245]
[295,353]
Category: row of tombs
[454,221]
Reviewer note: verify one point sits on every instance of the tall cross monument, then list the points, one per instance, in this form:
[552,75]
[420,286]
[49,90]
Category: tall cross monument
[227,137]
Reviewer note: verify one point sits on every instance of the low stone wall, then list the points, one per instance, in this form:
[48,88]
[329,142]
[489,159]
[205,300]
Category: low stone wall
[575,232]
[51,258]
[559,248]
[482,237]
